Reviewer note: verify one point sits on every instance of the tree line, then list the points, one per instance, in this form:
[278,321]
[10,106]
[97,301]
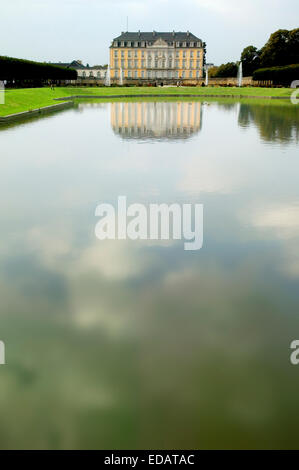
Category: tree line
[282,49]
[17,70]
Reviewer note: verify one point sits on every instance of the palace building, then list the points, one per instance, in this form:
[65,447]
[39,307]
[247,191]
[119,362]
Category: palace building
[173,56]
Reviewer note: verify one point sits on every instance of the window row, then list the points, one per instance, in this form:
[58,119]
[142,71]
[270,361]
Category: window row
[151,43]
[158,74]
[157,64]
[151,55]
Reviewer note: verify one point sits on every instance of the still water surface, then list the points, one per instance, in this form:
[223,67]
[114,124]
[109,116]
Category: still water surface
[123,344]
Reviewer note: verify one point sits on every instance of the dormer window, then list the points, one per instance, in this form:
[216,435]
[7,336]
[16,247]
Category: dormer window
[184,44]
[115,44]
[136,44]
[142,44]
[122,44]
[198,44]
[129,43]
[191,44]
[177,44]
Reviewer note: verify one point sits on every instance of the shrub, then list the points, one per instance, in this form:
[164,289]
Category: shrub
[279,75]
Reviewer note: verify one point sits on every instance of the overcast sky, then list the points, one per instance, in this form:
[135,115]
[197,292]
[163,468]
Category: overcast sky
[63,30]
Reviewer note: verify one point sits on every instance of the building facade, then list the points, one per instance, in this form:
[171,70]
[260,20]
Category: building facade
[86,72]
[167,56]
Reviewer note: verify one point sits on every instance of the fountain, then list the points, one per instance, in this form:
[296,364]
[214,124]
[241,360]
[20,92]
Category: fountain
[240,74]
[121,78]
[108,77]
[207,77]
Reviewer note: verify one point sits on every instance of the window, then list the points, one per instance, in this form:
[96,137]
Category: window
[115,44]
[142,54]
[177,44]
[122,54]
[129,43]
[170,63]
[198,53]
[136,54]
[183,74]
[184,44]
[198,44]
[156,64]
[115,53]
[115,73]
[99,74]
[136,44]
[191,54]
[142,74]
[129,53]
[197,64]
[149,74]
[184,53]
[122,64]
[129,64]
[176,74]
[176,64]
[197,73]
[84,74]
[191,64]
[129,73]
[135,74]
[143,63]
[122,44]
[177,54]
[142,44]
[184,64]
[191,44]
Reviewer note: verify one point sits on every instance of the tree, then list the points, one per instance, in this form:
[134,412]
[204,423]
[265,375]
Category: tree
[227,70]
[204,45]
[282,48]
[250,59]
[213,71]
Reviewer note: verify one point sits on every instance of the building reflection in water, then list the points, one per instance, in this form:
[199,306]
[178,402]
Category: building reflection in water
[156,120]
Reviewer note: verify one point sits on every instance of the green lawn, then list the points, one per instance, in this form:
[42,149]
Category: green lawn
[20,100]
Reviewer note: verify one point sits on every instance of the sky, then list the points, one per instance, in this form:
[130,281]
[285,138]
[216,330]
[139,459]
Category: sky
[63,30]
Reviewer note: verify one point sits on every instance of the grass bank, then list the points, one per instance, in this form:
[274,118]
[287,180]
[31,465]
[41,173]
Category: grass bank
[20,100]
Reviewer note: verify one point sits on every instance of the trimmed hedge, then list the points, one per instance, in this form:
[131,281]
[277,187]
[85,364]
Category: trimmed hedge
[279,75]
[19,69]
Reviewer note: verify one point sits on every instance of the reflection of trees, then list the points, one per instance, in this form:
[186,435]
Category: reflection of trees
[275,122]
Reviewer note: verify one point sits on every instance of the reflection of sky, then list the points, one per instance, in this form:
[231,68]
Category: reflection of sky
[132,332]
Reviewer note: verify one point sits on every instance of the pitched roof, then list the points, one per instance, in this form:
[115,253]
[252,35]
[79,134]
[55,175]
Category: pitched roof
[78,65]
[154,35]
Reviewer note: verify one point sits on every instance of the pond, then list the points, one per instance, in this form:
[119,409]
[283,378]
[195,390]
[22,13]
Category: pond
[123,344]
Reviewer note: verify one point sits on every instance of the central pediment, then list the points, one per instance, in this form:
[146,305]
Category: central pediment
[160,43]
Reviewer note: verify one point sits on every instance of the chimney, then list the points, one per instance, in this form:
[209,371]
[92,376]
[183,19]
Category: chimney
[173,33]
[139,33]
[154,33]
[188,33]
